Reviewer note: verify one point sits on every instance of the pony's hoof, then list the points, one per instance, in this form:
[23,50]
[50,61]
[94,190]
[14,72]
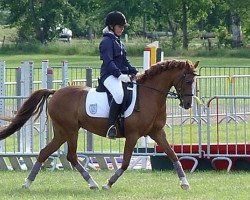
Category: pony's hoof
[106,187]
[93,185]
[184,184]
[185,187]
[26,184]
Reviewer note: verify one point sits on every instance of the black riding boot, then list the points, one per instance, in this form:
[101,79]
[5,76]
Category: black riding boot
[113,114]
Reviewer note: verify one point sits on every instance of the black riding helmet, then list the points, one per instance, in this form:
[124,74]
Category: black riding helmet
[116,18]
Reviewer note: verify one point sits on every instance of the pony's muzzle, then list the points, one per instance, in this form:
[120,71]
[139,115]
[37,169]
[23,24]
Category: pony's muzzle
[185,104]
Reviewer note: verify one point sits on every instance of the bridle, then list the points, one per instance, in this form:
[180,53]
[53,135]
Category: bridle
[179,90]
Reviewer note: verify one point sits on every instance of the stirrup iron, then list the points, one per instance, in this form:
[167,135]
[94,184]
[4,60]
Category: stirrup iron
[112,132]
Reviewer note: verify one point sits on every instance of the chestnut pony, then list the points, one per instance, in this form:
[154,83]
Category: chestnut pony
[67,112]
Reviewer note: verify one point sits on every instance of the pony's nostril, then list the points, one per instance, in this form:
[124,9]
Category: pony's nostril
[189,105]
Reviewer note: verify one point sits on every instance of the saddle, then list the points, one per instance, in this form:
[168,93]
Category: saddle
[98,102]
[127,88]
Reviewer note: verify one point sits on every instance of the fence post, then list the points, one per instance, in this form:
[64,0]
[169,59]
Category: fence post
[26,131]
[2,93]
[158,55]
[65,80]
[146,58]
[194,102]
[89,134]
[199,104]
[43,116]
[65,77]
[232,92]
[49,78]
[49,86]
[18,93]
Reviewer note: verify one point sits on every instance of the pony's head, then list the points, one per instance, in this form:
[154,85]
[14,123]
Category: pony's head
[184,84]
[180,74]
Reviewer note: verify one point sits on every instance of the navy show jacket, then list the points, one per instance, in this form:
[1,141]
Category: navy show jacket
[114,57]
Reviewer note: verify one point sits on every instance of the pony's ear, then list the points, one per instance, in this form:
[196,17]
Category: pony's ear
[196,64]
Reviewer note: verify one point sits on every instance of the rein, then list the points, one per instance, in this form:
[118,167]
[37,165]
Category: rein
[177,94]
[161,92]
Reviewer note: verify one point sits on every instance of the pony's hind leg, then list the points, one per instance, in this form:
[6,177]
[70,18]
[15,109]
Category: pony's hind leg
[54,145]
[43,155]
[73,159]
[160,139]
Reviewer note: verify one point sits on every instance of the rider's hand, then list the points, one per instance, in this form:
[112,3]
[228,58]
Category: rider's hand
[124,78]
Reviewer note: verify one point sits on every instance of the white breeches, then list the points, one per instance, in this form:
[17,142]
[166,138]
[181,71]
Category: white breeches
[115,88]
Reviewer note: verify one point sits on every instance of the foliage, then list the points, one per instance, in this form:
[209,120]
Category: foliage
[42,20]
[3,17]
[7,34]
[134,46]
[223,36]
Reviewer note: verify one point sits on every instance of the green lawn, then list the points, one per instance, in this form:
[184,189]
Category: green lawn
[134,184]
[80,60]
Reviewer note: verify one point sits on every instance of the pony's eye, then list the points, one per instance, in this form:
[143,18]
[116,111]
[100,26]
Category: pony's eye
[189,82]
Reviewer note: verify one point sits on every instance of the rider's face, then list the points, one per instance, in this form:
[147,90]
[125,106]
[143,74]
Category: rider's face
[118,29]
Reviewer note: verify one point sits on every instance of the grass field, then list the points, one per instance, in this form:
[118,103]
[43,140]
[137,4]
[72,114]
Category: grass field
[132,185]
[94,61]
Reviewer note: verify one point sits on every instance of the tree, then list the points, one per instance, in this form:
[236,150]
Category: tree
[229,16]
[239,13]
[38,19]
[183,15]
[86,20]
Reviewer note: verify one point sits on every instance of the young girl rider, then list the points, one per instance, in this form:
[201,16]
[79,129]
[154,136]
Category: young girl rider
[115,66]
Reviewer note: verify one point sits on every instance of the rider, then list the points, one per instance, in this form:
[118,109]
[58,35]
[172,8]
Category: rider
[115,66]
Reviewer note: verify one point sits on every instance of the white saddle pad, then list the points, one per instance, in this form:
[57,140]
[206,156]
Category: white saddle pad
[97,103]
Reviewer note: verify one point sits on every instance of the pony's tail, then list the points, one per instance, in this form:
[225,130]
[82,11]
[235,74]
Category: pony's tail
[32,106]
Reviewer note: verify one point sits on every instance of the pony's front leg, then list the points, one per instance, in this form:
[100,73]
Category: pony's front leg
[160,139]
[181,174]
[128,150]
[113,179]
